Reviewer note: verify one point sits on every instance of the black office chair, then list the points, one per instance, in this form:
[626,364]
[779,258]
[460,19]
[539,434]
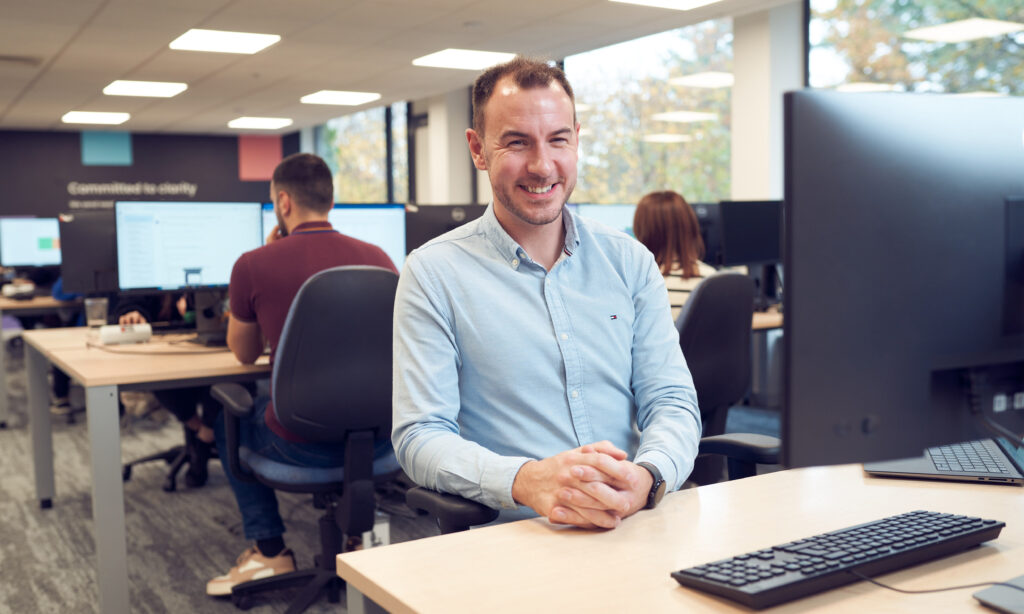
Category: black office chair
[331,383]
[714,333]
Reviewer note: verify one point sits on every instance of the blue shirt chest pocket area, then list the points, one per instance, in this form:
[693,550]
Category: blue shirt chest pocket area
[603,325]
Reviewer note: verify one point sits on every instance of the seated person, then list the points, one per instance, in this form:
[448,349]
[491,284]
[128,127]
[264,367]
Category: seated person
[536,370]
[667,226]
[182,402]
[263,284]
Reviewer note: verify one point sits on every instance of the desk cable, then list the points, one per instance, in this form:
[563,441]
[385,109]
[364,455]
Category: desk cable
[932,590]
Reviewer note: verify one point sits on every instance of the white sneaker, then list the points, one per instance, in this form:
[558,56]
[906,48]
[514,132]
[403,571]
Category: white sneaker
[251,565]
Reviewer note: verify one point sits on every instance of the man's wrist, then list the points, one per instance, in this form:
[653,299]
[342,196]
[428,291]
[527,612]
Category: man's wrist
[656,488]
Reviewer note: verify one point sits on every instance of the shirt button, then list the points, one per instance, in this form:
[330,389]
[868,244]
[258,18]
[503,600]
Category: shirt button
[564,336]
[575,393]
[515,262]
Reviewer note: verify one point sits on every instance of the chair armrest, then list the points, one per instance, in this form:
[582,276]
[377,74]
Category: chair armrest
[743,447]
[237,404]
[453,513]
[235,398]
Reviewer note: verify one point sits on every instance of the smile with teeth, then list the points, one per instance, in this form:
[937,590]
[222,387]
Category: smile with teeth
[539,189]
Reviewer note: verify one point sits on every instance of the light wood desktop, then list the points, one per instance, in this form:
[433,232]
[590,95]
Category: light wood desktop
[533,566]
[103,373]
[38,305]
[765,320]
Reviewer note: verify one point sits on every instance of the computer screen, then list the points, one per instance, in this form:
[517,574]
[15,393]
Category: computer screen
[89,246]
[709,218]
[424,222]
[619,217]
[29,242]
[380,224]
[751,232]
[894,336]
[176,245]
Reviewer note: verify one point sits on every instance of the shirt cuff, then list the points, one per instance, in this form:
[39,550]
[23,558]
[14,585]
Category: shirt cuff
[665,465]
[497,481]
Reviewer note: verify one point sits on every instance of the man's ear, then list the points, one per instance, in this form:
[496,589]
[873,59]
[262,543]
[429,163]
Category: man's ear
[284,201]
[476,149]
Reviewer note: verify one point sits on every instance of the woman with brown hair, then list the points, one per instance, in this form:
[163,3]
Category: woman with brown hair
[668,227]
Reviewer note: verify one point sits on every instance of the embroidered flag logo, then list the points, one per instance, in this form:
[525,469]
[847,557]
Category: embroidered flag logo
[614,317]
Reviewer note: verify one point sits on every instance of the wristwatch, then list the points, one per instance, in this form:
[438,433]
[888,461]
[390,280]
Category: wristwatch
[657,486]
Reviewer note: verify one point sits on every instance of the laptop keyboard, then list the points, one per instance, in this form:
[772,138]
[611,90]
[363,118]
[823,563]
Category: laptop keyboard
[966,457]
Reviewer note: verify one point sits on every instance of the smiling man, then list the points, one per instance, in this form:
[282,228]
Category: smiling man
[536,366]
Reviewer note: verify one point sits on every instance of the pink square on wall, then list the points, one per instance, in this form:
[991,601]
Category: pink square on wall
[258,155]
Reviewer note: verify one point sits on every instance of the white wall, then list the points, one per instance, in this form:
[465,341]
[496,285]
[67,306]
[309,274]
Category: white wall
[768,60]
[443,165]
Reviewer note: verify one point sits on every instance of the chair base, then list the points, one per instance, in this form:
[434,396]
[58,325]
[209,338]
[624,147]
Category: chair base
[314,582]
[176,459]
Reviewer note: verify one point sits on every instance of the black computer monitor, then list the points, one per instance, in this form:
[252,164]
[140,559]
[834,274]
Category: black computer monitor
[89,247]
[169,246]
[709,218]
[29,242]
[381,224]
[618,216]
[424,222]
[894,336]
[751,232]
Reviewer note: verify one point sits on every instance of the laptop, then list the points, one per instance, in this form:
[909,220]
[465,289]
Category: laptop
[994,461]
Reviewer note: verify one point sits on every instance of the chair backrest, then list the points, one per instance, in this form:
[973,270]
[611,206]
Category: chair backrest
[332,371]
[714,333]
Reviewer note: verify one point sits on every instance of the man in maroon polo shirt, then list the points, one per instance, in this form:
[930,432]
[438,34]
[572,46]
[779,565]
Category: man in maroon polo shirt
[263,284]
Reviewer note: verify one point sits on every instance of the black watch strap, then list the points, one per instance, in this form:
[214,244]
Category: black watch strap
[657,486]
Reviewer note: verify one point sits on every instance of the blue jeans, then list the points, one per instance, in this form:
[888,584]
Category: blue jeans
[256,501]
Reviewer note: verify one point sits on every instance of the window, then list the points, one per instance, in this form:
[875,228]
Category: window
[355,149]
[879,45]
[649,122]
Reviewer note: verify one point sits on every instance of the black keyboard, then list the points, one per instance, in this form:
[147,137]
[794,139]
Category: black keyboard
[796,569]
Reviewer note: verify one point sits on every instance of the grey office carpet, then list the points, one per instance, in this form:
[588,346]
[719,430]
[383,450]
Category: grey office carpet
[176,541]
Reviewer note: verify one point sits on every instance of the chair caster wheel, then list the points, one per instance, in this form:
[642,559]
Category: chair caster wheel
[242,601]
[169,485]
[126,473]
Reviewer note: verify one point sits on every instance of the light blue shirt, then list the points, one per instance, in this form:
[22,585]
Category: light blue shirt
[498,361]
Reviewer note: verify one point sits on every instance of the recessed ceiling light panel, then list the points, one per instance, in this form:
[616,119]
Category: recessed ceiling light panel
[339,97]
[709,79]
[260,123]
[94,117]
[463,59]
[864,86]
[964,30]
[685,116]
[149,89]
[222,41]
[667,138]
[678,5]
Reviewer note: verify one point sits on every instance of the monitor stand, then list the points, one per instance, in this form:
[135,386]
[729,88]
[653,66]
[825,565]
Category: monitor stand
[211,317]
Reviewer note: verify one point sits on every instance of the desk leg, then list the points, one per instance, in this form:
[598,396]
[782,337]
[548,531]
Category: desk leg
[107,497]
[39,424]
[4,409]
[358,603]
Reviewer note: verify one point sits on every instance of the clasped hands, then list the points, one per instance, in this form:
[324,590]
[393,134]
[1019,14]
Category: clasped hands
[592,486]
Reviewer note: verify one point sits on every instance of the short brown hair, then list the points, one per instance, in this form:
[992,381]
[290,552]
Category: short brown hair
[524,72]
[308,181]
[666,225]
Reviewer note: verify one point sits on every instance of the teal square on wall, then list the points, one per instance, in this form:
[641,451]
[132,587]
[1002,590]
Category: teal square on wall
[106,149]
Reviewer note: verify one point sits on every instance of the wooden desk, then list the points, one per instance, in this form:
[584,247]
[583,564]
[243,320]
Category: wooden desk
[765,320]
[532,566]
[104,374]
[40,305]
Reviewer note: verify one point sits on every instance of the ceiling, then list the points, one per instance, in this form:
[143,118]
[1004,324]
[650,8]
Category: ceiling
[57,55]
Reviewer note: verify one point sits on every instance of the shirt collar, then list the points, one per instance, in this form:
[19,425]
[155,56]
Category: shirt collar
[510,249]
[318,226]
